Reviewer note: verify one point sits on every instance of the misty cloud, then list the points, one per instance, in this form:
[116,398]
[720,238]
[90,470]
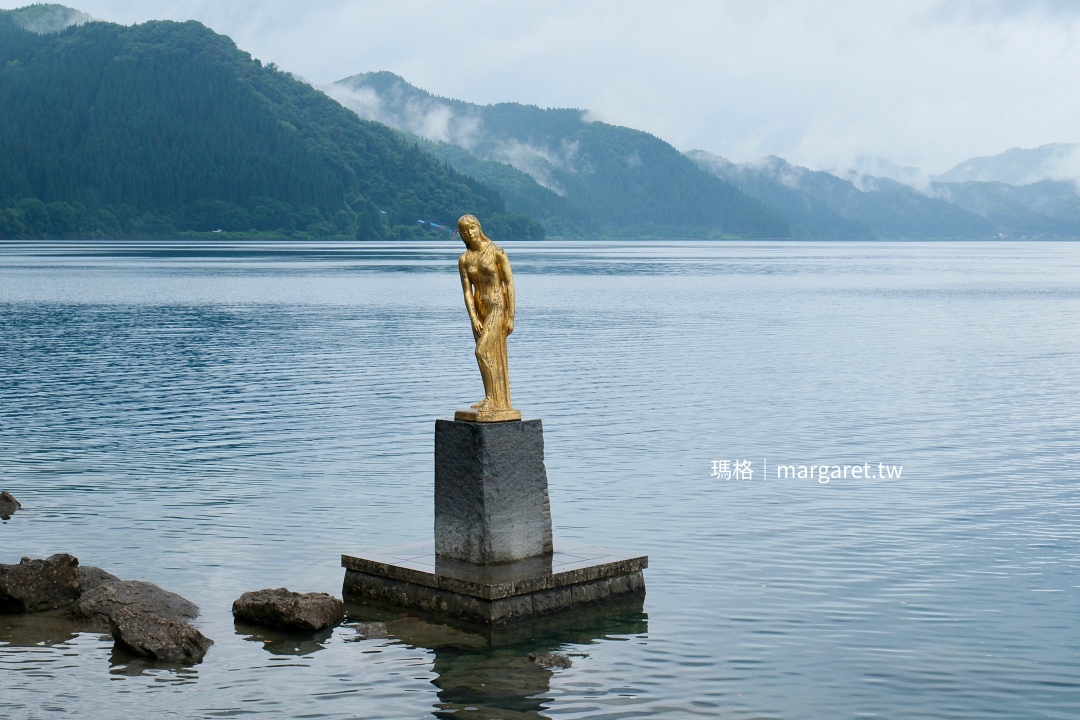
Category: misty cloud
[787,175]
[439,120]
[538,162]
[430,119]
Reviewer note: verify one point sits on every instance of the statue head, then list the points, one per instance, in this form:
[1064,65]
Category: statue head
[469,229]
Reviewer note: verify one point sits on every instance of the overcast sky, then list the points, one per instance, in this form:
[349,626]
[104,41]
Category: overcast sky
[819,82]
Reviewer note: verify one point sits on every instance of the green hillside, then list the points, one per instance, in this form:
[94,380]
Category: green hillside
[165,128]
[580,177]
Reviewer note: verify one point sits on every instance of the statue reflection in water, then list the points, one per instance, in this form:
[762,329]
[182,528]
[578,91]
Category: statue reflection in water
[489,673]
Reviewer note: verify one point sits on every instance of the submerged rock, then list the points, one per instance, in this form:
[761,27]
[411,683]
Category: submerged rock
[91,577]
[100,603]
[152,636]
[36,585]
[40,629]
[283,608]
[8,505]
[371,630]
[550,660]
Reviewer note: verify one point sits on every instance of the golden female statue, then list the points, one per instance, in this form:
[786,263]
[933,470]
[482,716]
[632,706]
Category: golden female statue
[489,297]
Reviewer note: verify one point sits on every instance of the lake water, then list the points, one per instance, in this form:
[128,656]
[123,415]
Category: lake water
[222,418]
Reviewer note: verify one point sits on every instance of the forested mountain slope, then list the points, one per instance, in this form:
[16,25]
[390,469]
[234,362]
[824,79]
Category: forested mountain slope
[580,177]
[160,128]
[821,206]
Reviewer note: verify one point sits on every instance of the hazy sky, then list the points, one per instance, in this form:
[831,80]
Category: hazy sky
[819,82]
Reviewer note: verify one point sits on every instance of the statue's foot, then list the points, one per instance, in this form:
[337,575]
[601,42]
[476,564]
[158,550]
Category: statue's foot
[484,405]
[479,404]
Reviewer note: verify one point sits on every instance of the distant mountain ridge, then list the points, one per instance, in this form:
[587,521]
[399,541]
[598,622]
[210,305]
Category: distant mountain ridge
[545,162]
[579,177]
[1019,166]
[167,129]
[821,206]
[880,167]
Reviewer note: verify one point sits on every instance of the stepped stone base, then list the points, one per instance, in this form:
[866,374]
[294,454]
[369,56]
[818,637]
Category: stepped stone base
[413,577]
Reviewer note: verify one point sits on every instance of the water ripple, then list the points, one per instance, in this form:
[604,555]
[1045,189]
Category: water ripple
[218,418]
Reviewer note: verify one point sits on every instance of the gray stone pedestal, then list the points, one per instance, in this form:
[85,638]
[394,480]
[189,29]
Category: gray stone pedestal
[491,494]
[492,560]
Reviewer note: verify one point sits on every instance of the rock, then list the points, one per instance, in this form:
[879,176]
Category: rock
[158,638]
[36,585]
[8,505]
[285,609]
[102,602]
[91,577]
[550,660]
[371,630]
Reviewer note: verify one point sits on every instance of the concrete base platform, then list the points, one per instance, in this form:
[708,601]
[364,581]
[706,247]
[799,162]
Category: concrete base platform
[413,577]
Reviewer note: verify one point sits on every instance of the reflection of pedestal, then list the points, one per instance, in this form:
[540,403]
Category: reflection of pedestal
[492,559]
[485,672]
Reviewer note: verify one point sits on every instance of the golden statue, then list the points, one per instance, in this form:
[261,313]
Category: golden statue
[489,297]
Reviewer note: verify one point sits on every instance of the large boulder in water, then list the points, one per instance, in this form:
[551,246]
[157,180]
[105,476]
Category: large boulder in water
[100,603]
[158,638]
[36,585]
[282,608]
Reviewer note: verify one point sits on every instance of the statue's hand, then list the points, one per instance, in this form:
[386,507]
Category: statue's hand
[510,326]
[477,328]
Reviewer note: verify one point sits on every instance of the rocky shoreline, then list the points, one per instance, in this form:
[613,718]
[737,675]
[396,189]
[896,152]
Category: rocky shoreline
[144,619]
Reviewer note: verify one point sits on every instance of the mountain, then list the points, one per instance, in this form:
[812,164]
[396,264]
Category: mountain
[1019,166]
[579,177]
[165,128]
[875,166]
[825,207]
[1049,208]
[810,217]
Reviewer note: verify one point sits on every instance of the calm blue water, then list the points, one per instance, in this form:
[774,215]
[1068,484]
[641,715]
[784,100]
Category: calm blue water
[220,419]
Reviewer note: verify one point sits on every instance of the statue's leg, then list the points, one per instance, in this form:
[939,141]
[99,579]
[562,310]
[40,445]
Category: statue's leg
[487,359]
[502,375]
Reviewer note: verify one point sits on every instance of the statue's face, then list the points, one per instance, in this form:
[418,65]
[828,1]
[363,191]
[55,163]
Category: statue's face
[470,233]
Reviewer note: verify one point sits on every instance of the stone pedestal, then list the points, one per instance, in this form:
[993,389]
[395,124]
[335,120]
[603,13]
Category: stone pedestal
[492,560]
[491,493]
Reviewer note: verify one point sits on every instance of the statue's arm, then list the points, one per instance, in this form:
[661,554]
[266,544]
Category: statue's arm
[508,279]
[470,305]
